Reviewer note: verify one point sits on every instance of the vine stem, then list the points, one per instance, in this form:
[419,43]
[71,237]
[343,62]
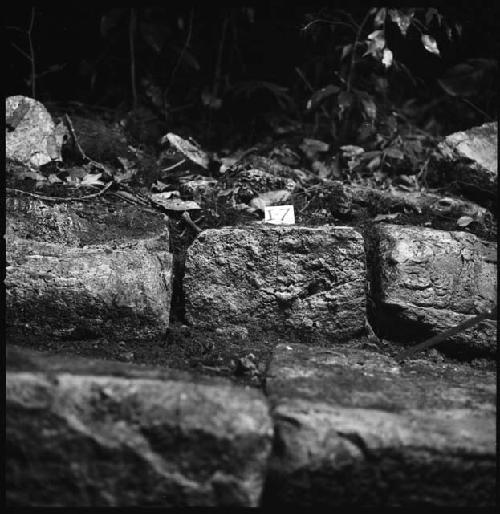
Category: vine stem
[131,38]
[181,55]
[353,54]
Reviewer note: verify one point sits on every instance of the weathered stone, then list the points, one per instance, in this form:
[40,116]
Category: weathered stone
[424,281]
[469,159]
[434,206]
[71,265]
[301,281]
[32,137]
[354,428]
[129,438]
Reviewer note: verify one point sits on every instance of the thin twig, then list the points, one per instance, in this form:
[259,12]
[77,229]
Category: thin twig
[60,198]
[331,22]
[71,129]
[218,65]
[185,216]
[353,53]
[433,341]
[131,39]
[176,165]
[477,109]
[181,55]
[308,84]
[21,51]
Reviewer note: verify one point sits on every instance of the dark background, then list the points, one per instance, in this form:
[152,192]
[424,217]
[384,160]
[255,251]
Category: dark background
[83,54]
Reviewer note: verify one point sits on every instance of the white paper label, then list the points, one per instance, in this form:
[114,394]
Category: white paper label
[279,215]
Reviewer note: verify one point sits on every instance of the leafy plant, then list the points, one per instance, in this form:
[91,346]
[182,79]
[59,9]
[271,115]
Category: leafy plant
[364,59]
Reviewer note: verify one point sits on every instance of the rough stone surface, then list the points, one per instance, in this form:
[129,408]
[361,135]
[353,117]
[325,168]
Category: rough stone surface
[479,144]
[105,268]
[424,281]
[469,159]
[352,427]
[79,438]
[32,137]
[305,282]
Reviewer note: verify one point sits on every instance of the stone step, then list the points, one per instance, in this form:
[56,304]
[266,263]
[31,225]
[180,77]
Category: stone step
[424,281]
[298,281]
[354,428]
[85,432]
[98,268]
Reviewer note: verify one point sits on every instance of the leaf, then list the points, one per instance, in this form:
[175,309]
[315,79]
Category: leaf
[344,100]
[126,164]
[159,186]
[387,58]
[374,163]
[92,180]
[190,149]
[210,101]
[385,217]
[429,14]
[173,204]
[351,150]
[320,95]
[270,198]
[430,44]
[401,19]
[375,43]
[125,176]
[53,178]
[464,221]
[395,153]
[346,50]
[378,37]
[369,107]
[380,17]
[311,147]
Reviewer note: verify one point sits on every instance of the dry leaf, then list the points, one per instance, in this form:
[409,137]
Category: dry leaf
[173,204]
[464,221]
[190,149]
[92,180]
[384,217]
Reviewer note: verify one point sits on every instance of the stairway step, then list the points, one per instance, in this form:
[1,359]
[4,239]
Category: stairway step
[307,282]
[352,427]
[95,433]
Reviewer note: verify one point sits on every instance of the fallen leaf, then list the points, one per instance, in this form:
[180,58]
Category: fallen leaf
[270,198]
[464,221]
[188,148]
[92,180]
[173,204]
[53,178]
[384,217]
